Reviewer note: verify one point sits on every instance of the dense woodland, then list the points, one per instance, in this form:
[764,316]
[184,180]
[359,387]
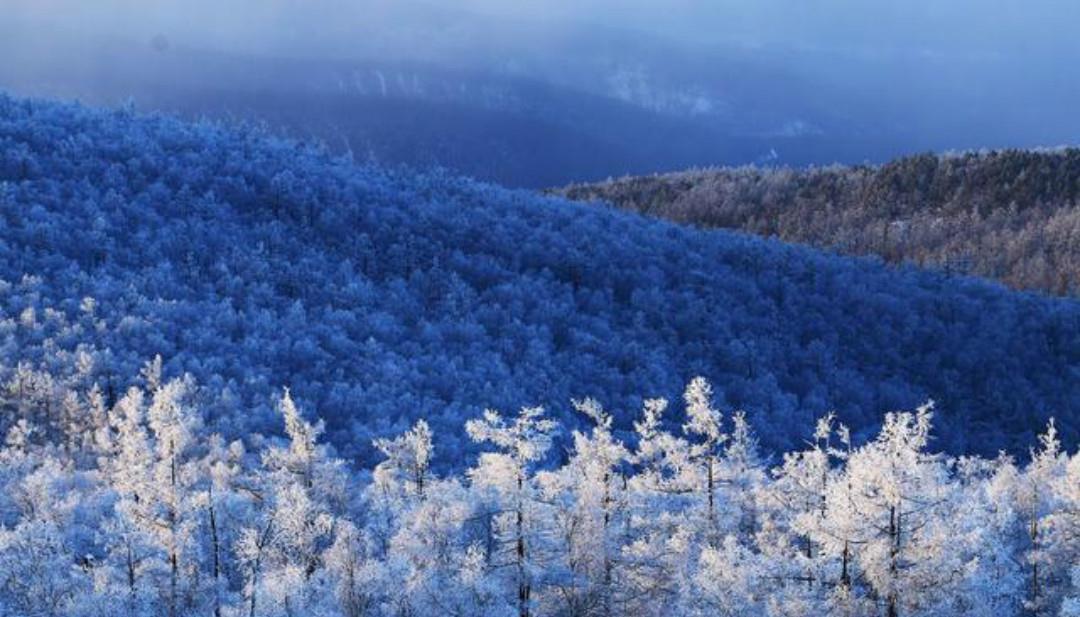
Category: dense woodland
[1010,215]
[384,297]
[139,509]
[162,283]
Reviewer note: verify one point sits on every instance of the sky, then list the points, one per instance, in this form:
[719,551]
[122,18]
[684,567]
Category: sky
[951,74]
[945,28]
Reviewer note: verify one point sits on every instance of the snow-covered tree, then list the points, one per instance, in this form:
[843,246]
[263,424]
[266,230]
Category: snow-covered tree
[408,459]
[302,496]
[703,425]
[1039,503]
[896,496]
[506,475]
[155,515]
[39,575]
[795,519]
[728,581]
[174,475]
[1062,531]
[743,473]
[658,542]
[588,495]
[1070,607]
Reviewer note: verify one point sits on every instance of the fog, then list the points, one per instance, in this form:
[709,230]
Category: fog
[962,29]
[788,81]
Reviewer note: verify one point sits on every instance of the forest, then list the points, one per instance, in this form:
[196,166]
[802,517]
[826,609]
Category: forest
[243,376]
[140,509]
[1010,215]
[324,308]
[381,297]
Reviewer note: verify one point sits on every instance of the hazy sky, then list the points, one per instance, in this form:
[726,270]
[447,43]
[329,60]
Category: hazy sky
[920,27]
[949,73]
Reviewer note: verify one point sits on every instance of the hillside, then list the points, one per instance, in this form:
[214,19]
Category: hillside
[380,297]
[1010,215]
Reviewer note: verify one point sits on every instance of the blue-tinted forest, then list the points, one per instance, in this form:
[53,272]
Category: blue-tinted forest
[383,296]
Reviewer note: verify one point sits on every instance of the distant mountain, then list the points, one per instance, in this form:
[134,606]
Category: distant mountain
[487,124]
[379,297]
[515,105]
[1010,215]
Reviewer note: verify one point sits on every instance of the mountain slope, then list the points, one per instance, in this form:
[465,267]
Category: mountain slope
[1011,215]
[254,263]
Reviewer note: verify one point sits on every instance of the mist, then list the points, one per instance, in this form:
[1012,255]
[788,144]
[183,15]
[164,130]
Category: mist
[637,86]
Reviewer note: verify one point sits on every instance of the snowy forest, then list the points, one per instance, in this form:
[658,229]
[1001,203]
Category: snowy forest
[240,375]
[296,320]
[141,509]
[385,296]
[1010,215]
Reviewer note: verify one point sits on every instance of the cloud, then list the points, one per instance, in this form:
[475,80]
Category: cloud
[900,62]
[912,27]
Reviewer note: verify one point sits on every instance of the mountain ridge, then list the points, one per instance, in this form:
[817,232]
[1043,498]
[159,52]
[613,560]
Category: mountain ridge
[1006,214]
[382,296]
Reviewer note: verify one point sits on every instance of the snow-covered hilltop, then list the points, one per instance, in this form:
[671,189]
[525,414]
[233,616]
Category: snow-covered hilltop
[1009,215]
[381,298]
[163,282]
